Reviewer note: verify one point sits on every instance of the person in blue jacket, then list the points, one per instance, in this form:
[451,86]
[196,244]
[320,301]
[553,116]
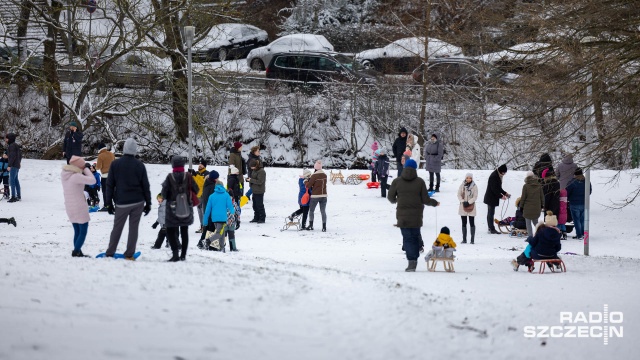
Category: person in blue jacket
[575,196]
[215,216]
[92,190]
[304,208]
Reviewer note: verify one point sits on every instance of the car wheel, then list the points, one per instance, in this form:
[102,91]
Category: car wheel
[368,65]
[257,64]
[222,54]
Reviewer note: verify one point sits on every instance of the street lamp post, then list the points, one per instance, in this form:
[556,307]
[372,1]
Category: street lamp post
[588,147]
[189,34]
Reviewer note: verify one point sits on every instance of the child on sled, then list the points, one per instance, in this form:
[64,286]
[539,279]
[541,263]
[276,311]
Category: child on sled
[443,247]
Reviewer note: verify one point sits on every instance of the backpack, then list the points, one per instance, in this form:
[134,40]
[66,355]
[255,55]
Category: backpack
[180,206]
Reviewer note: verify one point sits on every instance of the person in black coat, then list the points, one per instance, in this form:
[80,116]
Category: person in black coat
[14,159]
[72,142]
[544,163]
[398,148]
[127,188]
[546,243]
[551,191]
[382,169]
[494,193]
[208,189]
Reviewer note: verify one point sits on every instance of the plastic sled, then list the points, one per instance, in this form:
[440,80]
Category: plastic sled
[93,209]
[431,193]
[364,177]
[243,200]
[119,256]
[373,185]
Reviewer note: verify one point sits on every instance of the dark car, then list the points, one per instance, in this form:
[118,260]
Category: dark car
[315,67]
[462,71]
[229,41]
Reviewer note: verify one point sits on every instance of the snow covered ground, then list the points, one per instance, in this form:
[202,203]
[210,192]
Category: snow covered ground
[342,294]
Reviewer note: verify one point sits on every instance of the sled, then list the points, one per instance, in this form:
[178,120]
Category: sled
[243,200]
[333,177]
[354,179]
[373,185]
[551,263]
[119,256]
[431,193]
[289,223]
[519,233]
[503,226]
[447,263]
[364,177]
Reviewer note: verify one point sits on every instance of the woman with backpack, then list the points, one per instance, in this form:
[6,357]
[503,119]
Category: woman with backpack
[179,189]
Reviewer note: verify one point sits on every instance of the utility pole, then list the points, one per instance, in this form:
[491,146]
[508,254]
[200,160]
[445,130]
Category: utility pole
[425,65]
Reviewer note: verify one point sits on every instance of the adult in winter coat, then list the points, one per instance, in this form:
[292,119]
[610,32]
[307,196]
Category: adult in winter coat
[565,171]
[531,201]
[399,147]
[318,185]
[467,196]
[14,158]
[74,177]
[103,164]
[409,192]
[199,176]
[72,142]
[416,150]
[433,153]
[128,189]
[258,184]
[382,169]
[575,195]
[235,159]
[175,181]
[494,193]
[551,191]
[254,154]
[304,208]
[545,162]
[546,243]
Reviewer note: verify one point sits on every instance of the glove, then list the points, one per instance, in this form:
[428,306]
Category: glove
[192,172]
[111,210]
[155,225]
[465,204]
[147,209]
[87,165]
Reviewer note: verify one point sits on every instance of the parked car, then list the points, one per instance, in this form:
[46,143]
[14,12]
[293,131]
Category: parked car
[462,71]
[523,58]
[140,69]
[229,41]
[404,55]
[315,67]
[259,57]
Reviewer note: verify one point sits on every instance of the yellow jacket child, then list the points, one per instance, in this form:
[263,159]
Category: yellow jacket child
[444,246]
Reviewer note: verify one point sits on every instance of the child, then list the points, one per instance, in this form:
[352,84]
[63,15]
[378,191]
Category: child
[444,246]
[374,158]
[562,214]
[519,222]
[4,165]
[162,208]
[11,221]
[304,208]
[544,245]
[382,169]
[92,190]
[216,217]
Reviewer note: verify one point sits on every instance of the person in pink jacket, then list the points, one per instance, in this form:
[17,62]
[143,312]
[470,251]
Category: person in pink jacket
[74,177]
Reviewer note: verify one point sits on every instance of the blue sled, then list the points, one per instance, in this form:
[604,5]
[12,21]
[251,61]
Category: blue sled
[119,256]
[431,193]
[93,209]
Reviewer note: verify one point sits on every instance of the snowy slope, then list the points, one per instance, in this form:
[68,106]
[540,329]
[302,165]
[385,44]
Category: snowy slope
[290,295]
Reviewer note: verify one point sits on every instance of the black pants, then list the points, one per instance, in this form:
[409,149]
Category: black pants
[259,213]
[94,198]
[400,167]
[491,213]
[304,210]
[373,176]
[172,236]
[161,235]
[471,220]
[383,186]
[431,180]
[103,185]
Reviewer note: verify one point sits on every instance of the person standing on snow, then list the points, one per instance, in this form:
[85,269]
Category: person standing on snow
[433,153]
[72,142]
[235,159]
[493,195]
[105,158]
[199,177]
[318,185]
[531,201]
[258,184]
[565,171]
[467,196]
[254,154]
[14,158]
[382,169]
[74,177]
[399,147]
[410,194]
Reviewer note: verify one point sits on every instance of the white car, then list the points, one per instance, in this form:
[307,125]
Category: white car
[229,41]
[523,57]
[258,58]
[404,55]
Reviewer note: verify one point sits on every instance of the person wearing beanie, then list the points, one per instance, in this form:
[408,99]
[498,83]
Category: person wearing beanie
[550,219]
[304,206]
[72,144]
[545,162]
[575,196]
[374,159]
[258,184]
[74,177]
[551,191]
[416,151]
[531,201]
[398,148]
[410,194]
[4,174]
[433,154]
[14,158]
[178,183]
[492,196]
[317,183]
[443,247]
[234,187]
[103,164]
[467,197]
[236,159]
[382,170]
[128,197]
[254,154]
[208,188]
[199,177]
[565,170]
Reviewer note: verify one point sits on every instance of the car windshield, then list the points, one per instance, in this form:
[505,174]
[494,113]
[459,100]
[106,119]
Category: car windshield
[348,62]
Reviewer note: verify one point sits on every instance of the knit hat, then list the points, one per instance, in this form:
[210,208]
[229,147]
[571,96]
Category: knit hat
[102,146]
[73,123]
[77,161]
[377,152]
[374,146]
[550,219]
[411,164]
[318,165]
[445,230]
[237,145]
[213,175]
[503,169]
[434,135]
[306,173]
[578,172]
[178,161]
[203,162]
[544,173]
[468,175]
[381,151]
[517,202]
[130,147]
[529,174]
[407,153]
[233,170]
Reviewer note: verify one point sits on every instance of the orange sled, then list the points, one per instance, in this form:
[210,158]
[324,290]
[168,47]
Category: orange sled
[364,176]
[373,185]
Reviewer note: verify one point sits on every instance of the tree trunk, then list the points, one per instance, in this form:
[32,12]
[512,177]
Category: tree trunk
[23,23]
[54,92]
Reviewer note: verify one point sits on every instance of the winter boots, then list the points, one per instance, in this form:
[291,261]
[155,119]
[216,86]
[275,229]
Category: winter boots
[232,245]
[413,264]
[473,233]
[324,227]
[464,234]
[175,257]
[310,227]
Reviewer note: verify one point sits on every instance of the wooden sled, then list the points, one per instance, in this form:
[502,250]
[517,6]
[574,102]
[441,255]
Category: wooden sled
[447,263]
[354,179]
[333,177]
[518,232]
[543,265]
[289,223]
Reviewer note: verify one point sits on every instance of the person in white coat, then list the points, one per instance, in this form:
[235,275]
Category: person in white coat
[467,196]
[416,150]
